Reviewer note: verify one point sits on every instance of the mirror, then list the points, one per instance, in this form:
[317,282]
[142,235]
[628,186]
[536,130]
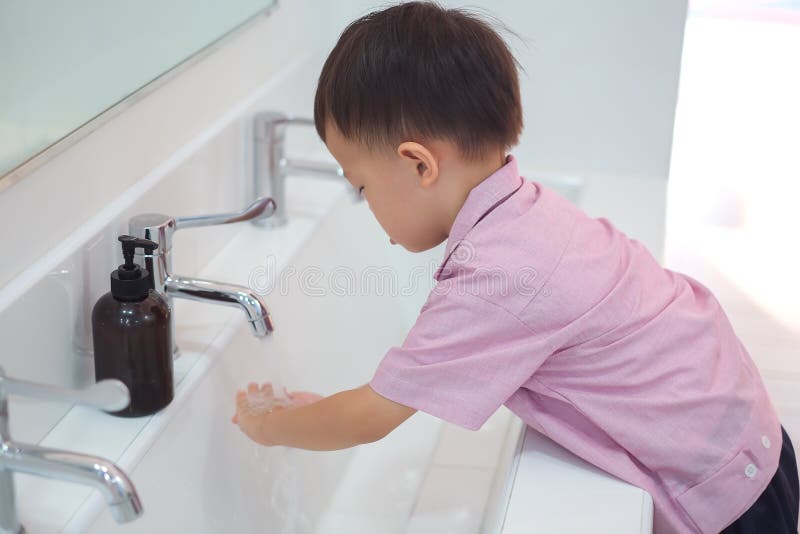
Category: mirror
[63,64]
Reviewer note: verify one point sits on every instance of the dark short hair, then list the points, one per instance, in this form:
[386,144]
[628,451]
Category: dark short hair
[419,71]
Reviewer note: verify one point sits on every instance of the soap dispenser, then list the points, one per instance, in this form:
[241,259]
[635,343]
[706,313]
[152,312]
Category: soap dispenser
[132,335]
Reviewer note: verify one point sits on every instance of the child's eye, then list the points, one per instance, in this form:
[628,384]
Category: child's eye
[361,191]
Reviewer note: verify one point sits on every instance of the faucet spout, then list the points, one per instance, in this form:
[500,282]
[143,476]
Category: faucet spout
[271,167]
[227,294]
[119,492]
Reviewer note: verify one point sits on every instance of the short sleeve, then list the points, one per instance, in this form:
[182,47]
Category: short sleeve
[462,359]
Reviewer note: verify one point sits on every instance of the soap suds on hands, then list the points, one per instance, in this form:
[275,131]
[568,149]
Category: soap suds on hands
[264,400]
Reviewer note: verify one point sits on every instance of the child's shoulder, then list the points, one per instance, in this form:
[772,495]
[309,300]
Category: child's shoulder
[515,241]
[534,245]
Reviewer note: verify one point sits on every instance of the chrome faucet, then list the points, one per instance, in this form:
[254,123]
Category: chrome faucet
[159,228]
[102,474]
[271,166]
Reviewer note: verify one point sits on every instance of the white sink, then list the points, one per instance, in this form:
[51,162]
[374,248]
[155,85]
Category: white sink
[195,472]
[198,473]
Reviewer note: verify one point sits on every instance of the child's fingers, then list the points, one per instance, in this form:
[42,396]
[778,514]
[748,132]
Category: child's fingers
[242,404]
[252,387]
[266,389]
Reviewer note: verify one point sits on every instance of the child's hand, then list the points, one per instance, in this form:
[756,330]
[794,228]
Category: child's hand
[254,407]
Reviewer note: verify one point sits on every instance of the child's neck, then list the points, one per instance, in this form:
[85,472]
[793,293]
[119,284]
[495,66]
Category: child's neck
[464,177]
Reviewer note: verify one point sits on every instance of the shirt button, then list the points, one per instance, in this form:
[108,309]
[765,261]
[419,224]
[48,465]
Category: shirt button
[750,471]
[766,442]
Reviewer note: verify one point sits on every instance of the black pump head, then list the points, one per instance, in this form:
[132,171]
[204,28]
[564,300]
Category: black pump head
[130,281]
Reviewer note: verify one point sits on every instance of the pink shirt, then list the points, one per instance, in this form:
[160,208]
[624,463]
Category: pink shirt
[579,331]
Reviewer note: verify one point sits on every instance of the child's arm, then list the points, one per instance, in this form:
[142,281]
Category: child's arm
[340,421]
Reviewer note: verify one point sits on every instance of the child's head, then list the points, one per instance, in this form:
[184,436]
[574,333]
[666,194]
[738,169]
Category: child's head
[418,103]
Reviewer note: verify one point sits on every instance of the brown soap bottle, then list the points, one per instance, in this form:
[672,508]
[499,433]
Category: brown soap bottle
[132,335]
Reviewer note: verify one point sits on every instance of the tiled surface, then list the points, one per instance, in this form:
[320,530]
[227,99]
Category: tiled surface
[461,447]
[384,478]
[460,484]
[442,485]
[452,500]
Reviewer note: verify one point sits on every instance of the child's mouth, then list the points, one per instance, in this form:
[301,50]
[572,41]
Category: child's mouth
[392,241]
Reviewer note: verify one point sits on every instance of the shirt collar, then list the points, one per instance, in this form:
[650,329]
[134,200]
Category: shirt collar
[481,200]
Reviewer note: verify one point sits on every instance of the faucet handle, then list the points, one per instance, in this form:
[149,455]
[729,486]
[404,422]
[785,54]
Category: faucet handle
[110,395]
[260,208]
[160,227]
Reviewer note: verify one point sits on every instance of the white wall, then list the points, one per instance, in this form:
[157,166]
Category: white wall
[601,80]
[599,93]
[601,83]
[599,97]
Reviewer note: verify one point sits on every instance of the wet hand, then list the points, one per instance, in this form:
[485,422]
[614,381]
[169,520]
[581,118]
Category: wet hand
[255,406]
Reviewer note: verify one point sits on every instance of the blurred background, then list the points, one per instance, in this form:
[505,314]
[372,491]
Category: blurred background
[734,179]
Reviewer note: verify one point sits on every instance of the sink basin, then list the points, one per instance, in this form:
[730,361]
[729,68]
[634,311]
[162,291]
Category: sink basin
[340,295]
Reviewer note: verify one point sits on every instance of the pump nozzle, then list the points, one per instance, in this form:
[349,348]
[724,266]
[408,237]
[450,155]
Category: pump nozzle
[130,244]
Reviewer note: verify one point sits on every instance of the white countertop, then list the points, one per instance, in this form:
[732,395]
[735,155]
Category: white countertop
[554,491]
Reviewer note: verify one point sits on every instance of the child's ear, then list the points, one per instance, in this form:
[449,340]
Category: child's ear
[420,161]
